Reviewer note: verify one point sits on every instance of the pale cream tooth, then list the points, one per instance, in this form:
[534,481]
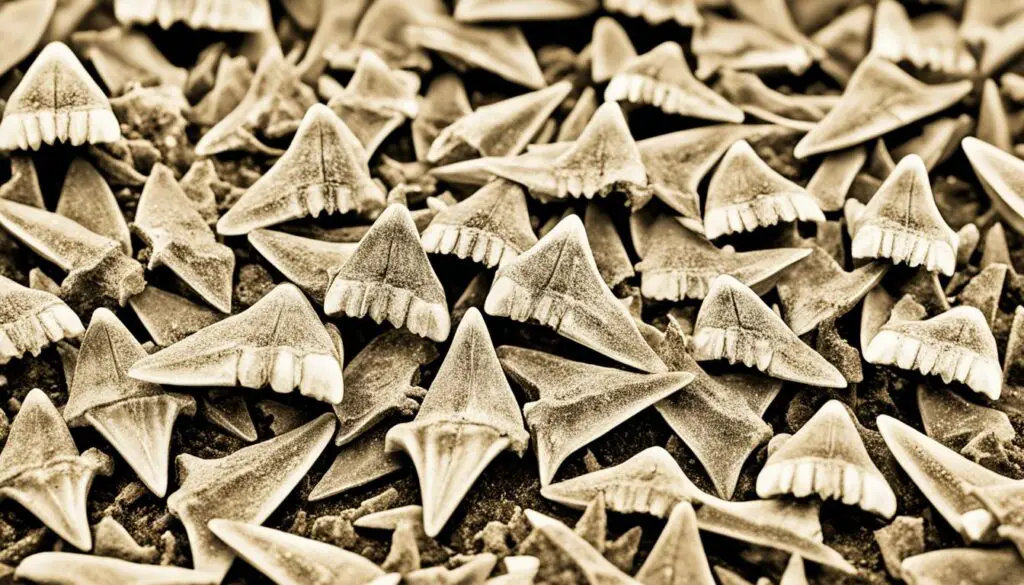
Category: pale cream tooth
[103,126]
[496,252]
[52,329]
[591,184]
[479,249]
[355,292]
[315,202]
[764,359]
[401,303]
[48,128]
[543,309]
[431,238]
[887,243]
[574,185]
[803,479]
[920,254]
[907,353]
[899,247]
[947,364]
[648,91]
[7,348]
[659,506]
[282,373]
[675,288]
[977,523]
[661,90]
[767,484]
[32,133]
[635,88]
[614,92]
[749,218]
[321,378]
[963,366]
[785,208]
[449,239]
[79,129]
[464,247]
[671,103]
[731,339]
[878,497]
[379,304]
[37,336]
[851,485]
[252,368]
[343,199]
[641,499]
[822,487]
[787,473]
[926,358]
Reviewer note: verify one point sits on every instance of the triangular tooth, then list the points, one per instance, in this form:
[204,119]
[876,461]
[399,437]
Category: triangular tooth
[307,262]
[656,12]
[577,118]
[937,140]
[506,10]
[519,570]
[87,199]
[23,186]
[729,577]
[941,474]
[748,93]
[605,245]
[835,175]
[392,519]
[1002,45]
[877,89]
[380,382]
[389,269]
[954,421]
[996,250]
[993,123]
[985,289]
[678,556]
[445,102]
[266,472]
[594,567]
[1000,174]
[1001,510]
[745,194]
[829,446]
[734,324]
[610,49]
[459,430]
[741,45]
[494,216]
[41,469]
[963,565]
[32,319]
[663,70]
[121,56]
[57,86]
[359,462]
[892,37]
[231,82]
[228,410]
[1012,398]
[382,26]
[254,348]
[503,128]
[64,568]
[592,525]
[26,24]
[169,318]
[220,15]
[473,571]
[560,272]
[289,559]
[774,16]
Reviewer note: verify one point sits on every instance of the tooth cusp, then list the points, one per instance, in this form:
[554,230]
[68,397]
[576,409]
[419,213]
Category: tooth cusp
[33,129]
[903,247]
[381,301]
[980,373]
[734,344]
[468,243]
[315,375]
[509,299]
[836,480]
[31,333]
[674,285]
[762,211]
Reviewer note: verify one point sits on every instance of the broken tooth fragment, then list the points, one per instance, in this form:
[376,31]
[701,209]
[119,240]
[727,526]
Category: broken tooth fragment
[32,319]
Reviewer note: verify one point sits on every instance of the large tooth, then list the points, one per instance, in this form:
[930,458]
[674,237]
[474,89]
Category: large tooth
[65,568]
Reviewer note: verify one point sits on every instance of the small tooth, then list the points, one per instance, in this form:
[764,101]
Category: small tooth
[251,369]
[449,240]
[53,330]
[803,479]
[282,376]
[321,378]
[315,199]
[79,129]
[851,485]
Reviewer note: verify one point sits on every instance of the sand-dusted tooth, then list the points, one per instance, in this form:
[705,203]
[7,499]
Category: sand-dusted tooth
[610,49]
[902,222]
[358,463]
[592,525]
[390,277]
[491,226]
[503,128]
[557,283]
[937,140]
[953,421]
[23,186]
[227,410]
[41,469]
[31,320]
[169,318]
[729,577]
[655,12]
[747,92]
[381,26]
[57,101]
[742,45]
[818,288]
[875,312]
[519,570]
[181,240]
[1000,174]
[735,324]
[381,381]
[774,16]
[827,457]
[835,175]
[609,253]
[576,120]
[677,558]
[323,171]
[444,103]
[985,289]
[392,519]
[1003,510]
[516,10]
[25,24]
[1002,45]
[745,194]
[221,15]
[280,331]
[679,264]
[880,98]
[121,56]
[231,83]
[307,262]
[467,418]
[87,199]
[1012,398]
[976,566]
[289,559]
[594,567]
[265,472]
[892,37]
[64,568]
[662,78]
[957,345]
[474,571]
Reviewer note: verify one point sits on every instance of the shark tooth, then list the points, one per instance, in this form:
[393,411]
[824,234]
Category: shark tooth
[472,572]
[380,381]
[937,140]
[230,86]
[593,566]
[963,565]
[491,226]
[25,24]
[679,264]
[610,49]
[1002,510]
[516,10]
[999,172]
[135,417]
[655,12]
[121,56]
[393,519]
[358,463]
[832,180]
[993,124]
[745,194]
[747,92]
[957,345]
[307,262]
[818,288]
[323,170]
[678,556]
[289,559]
[880,98]
[444,103]
[63,568]
[229,412]
[1002,45]
[985,289]
[220,15]
[57,101]
[892,37]
[92,261]
[729,577]
[279,341]
[503,128]
[845,40]
[267,472]
[376,101]
[662,79]
[741,45]
[182,241]
[734,324]
[903,223]
[382,26]
[169,318]
[39,280]
[996,250]
[774,16]
[460,428]
[41,469]
[519,570]
[23,186]
[557,283]
[574,400]
[610,255]
[390,277]
[32,319]
[1012,398]
[953,421]
[827,457]
[577,118]
[87,200]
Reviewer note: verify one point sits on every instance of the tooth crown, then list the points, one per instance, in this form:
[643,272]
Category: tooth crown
[227,15]
[32,319]
[678,555]
[64,568]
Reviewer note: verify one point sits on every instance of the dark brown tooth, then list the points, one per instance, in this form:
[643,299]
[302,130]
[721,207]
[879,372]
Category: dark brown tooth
[221,15]
[86,199]
[121,56]
[610,49]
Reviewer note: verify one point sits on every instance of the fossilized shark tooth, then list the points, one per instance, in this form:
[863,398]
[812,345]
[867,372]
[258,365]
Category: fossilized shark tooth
[230,87]
[64,568]
[735,324]
[827,457]
[135,417]
[996,250]
[389,277]
[181,240]
[679,264]
[57,101]
[1012,397]
[169,318]
[228,410]
[747,92]
[1000,174]
[307,262]
[358,463]
[279,341]
[40,468]
[880,98]
[844,39]
[818,288]
[655,12]
[606,247]
[491,226]
[519,570]
[610,49]
[592,564]
[1002,45]
[574,400]
[963,565]
[381,26]
[92,262]
[677,558]
[993,123]
[953,421]
[86,199]
[473,571]
[444,103]
[467,418]
[745,194]
[774,16]
[121,56]
[39,280]
[24,26]
[266,472]
[937,140]
[835,175]
[324,170]
[985,289]
[662,79]
[742,45]
[503,128]
[381,381]
[957,345]
[289,559]
[576,120]
[557,283]
[1001,514]
[23,186]
[32,319]
[903,223]
[221,15]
